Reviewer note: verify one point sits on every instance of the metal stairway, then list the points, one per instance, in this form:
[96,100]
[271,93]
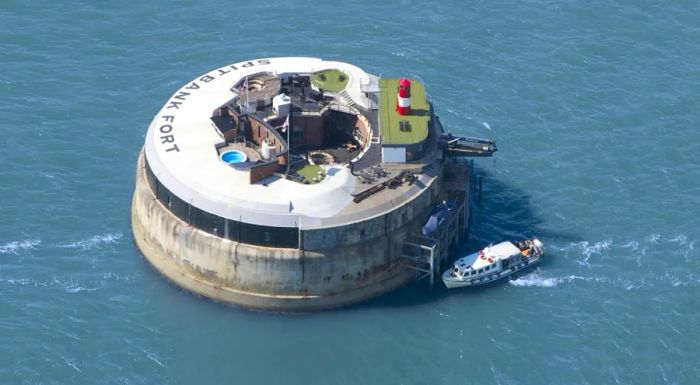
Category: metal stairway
[347,98]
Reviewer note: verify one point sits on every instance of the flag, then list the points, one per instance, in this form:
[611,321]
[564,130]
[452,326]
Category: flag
[244,87]
[285,126]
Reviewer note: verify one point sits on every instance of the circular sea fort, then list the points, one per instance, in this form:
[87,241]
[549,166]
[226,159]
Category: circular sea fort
[297,184]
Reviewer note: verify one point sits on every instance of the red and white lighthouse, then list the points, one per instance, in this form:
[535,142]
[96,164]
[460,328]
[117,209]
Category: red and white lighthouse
[403,102]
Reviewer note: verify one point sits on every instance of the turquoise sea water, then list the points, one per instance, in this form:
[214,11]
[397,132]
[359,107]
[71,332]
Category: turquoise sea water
[596,109]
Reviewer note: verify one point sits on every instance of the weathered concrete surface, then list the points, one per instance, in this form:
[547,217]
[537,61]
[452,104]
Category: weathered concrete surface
[357,262]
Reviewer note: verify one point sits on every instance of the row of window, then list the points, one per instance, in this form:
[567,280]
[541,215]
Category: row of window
[479,271]
[286,237]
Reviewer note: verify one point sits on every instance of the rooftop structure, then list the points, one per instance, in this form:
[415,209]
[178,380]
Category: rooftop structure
[234,104]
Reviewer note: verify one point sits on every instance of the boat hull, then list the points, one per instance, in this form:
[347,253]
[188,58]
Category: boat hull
[454,282]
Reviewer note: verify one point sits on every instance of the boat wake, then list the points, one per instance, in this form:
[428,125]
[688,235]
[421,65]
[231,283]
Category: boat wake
[588,249]
[537,279]
[586,252]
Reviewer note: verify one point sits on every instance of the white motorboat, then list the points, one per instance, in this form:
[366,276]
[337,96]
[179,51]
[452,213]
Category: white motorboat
[493,263]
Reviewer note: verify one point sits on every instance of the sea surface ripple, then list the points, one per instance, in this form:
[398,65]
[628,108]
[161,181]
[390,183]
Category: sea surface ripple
[594,105]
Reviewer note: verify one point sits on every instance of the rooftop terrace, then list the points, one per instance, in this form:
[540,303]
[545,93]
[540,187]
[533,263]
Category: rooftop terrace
[182,142]
[394,131]
[330,80]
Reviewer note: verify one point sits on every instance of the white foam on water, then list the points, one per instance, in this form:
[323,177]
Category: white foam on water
[95,241]
[486,125]
[634,246]
[117,277]
[534,279]
[77,289]
[71,364]
[155,359]
[20,281]
[676,245]
[653,238]
[15,247]
[572,278]
[69,286]
[588,249]
[595,248]
[632,286]
[677,280]
[583,262]
[688,250]
[681,239]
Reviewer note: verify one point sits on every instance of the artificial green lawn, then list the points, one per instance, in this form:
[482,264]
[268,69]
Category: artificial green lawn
[389,119]
[330,80]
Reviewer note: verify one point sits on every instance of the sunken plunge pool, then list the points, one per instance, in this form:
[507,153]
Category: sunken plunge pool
[233,157]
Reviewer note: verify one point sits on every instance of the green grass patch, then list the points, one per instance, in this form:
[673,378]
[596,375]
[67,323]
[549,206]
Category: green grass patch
[415,125]
[330,80]
[309,172]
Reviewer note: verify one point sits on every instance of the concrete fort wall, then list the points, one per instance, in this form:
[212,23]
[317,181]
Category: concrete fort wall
[334,266]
